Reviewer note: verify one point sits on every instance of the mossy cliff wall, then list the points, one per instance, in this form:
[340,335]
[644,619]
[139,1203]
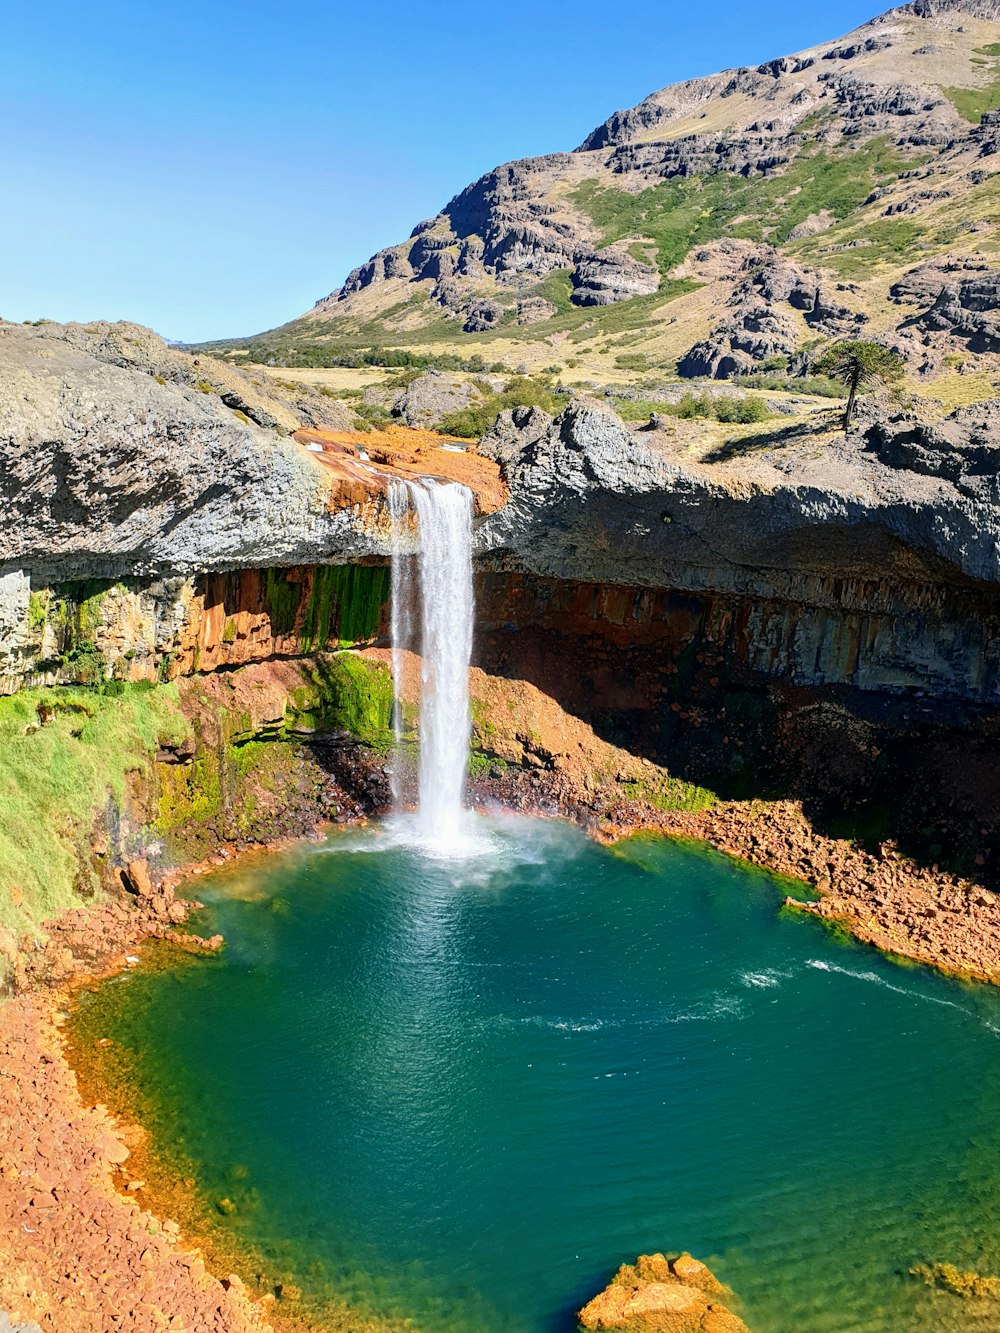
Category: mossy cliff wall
[267,749]
[139,629]
[93,776]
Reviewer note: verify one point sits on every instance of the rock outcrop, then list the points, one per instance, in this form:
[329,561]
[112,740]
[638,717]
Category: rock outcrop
[856,565]
[963,450]
[776,515]
[610,276]
[433,395]
[962,300]
[759,324]
[151,529]
[210,538]
[817,619]
[661,1295]
[121,457]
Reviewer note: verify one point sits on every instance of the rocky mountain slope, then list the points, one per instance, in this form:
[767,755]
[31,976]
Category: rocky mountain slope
[723,224]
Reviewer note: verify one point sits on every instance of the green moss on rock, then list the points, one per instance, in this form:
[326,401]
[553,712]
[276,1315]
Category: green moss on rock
[281,597]
[667,793]
[189,794]
[345,692]
[67,754]
[338,605]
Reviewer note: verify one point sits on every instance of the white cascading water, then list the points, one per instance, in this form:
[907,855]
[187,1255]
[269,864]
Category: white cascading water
[444,560]
[401,601]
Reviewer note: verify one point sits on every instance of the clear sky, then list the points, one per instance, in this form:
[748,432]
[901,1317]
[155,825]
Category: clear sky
[212,169]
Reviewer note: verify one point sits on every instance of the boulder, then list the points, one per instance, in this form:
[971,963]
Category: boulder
[139,879]
[658,1294]
[435,394]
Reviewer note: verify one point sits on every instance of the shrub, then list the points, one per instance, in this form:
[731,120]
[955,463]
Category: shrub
[745,410]
[372,414]
[632,361]
[522,391]
[695,405]
[819,386]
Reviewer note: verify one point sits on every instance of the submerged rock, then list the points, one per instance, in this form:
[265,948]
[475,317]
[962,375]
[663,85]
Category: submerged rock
[960,1282]
[661,1295]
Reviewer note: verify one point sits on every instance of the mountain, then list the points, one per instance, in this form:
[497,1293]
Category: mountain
[723,225]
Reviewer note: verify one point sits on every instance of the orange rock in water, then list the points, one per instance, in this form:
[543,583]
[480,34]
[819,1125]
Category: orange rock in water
[661,1295]
[111,1148]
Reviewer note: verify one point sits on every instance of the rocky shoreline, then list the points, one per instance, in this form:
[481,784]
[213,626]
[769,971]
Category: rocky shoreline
[66,1190]
[77,1251]
[879,896]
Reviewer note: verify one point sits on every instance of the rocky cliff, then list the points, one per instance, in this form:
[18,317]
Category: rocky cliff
[150,524]
[816,616]
[122,457]
[873,561]
[154,527]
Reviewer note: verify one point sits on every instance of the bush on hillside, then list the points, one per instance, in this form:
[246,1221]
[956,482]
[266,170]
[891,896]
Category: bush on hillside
[745,409]
[469,423]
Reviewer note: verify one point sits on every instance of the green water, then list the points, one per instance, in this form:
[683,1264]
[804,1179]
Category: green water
[465,1091]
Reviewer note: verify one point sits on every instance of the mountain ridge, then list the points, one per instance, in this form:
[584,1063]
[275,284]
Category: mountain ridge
[853,160]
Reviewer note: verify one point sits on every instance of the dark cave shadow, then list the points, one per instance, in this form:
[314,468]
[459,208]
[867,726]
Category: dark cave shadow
[869,767]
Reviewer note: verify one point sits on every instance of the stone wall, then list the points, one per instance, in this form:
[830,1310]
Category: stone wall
[908,639]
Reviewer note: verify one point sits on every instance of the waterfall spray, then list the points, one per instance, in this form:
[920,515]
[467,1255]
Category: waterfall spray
[444,565]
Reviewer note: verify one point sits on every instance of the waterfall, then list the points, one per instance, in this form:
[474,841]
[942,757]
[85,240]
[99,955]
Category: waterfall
[401,600]
[443,514]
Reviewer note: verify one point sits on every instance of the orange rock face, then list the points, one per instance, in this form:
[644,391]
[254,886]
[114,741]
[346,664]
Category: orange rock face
[399,451]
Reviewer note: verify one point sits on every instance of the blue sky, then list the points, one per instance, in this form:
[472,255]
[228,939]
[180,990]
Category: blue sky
[211,169]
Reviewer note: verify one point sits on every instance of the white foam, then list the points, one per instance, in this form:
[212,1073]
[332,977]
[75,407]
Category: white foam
[479,850]
[718,1006]
[761,980]
[874,979]
[564,1024]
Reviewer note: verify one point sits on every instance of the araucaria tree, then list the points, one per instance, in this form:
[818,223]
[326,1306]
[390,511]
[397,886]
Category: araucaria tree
[859,365]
